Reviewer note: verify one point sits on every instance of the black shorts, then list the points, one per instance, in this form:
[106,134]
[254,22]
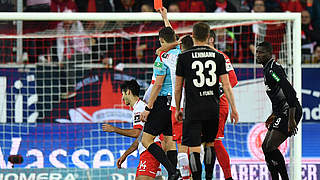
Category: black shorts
[159,119]
[280,123]
[197,131]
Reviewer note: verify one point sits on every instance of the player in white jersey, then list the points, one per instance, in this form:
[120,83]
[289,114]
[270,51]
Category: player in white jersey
[148,165]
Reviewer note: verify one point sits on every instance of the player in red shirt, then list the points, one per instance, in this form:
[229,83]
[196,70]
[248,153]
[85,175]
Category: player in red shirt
[218,148]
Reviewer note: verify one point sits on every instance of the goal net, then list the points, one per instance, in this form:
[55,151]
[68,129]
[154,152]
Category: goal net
[60,80]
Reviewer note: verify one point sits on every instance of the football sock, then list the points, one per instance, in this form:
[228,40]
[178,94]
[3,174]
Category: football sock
[280,164]
[172,155]
[183,164]
[209,161]
[160,155]
[223,158]
[195,165]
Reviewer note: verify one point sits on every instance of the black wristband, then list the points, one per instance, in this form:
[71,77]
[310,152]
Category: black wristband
[147,108]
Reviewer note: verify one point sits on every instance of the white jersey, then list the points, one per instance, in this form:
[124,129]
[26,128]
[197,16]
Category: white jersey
[171,62]
[138,108]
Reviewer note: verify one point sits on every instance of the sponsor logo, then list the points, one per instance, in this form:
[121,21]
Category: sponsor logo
[255,140]
[38,176]
[311,113]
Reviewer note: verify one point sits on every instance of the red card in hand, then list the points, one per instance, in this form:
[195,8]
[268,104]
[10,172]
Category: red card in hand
[157,4]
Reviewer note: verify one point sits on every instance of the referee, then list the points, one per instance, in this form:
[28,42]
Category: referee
[200,68]
[157,113]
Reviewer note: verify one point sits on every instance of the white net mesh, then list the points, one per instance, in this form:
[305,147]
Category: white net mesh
[70,74]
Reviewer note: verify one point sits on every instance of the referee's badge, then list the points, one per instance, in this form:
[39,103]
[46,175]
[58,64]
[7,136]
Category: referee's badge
[158,65]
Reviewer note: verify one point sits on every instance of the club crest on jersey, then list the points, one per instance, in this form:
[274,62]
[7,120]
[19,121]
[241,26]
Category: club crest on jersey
[165,55]
[158,65]
[136,118]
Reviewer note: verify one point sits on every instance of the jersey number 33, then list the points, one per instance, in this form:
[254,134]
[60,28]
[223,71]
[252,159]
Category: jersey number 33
[210,79]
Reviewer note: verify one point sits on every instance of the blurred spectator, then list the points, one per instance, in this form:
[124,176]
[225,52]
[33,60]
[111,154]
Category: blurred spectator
[37,5]
[146,46]
[191,5]
[71,50]
[225,42]
[94,6]
[258,6]
[313,6]
[291,5]
[173,7]
[273,6]
[310,35]
[246,36]
[101,45]
[126,6]
[219,6]
[62,5]
[316,54]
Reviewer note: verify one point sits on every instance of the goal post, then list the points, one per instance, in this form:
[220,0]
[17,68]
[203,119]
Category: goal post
[291,50]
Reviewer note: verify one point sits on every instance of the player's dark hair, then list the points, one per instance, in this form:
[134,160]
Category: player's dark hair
[168,34]
[267,45]
[201,31]
[186,42]
[212,34]
[131,85]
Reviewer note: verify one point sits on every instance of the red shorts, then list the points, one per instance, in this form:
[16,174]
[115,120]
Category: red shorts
[223,115]
[176,127]
[148,165]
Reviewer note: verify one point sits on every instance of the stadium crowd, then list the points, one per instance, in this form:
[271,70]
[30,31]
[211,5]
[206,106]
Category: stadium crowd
[237,43]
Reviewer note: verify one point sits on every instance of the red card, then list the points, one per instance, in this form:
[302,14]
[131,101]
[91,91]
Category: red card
[157,4]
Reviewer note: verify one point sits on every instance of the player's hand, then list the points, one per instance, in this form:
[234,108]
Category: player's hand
[107,127]
[121,160]
[144,115]
[292,127]
[163,11]
[179,115]
[270,120]
[234,116]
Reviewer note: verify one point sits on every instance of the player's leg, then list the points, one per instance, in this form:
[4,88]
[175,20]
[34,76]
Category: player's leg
[209,151]
[273,156]
[171,149]
[159,121]
[192,138]
[221,153]
[183,161]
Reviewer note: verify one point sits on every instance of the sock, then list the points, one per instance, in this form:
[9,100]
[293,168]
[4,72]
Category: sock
[223,158]
[159,154]
[183,164]
[172,155]
[271,167]
[195,165]
[209,161]
[280,163]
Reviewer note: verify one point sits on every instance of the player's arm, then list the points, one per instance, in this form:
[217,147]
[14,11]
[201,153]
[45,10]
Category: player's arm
[290,94]
[177,96]
[230,97]
[125,132]
[153,96]
[131,149]
[166,47]
[233,78]
[163,12]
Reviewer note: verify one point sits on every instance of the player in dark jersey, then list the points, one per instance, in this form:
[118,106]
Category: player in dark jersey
[201,68]
[286,110]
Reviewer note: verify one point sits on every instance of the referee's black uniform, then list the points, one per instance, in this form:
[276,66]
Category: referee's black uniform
[201,67]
